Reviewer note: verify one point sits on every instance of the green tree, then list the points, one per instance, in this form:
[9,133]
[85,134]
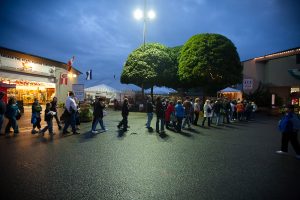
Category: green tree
[210,61]
[147,67]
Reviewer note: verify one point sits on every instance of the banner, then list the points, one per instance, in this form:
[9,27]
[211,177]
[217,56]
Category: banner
[78,90]
[247,84]
[63,78]
[89,75]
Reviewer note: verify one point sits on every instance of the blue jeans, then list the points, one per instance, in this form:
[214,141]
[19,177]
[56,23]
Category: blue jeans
[12,122]
[71,121]
[97,120]
[1,121]
[162,123]
[48,127]
[150,117]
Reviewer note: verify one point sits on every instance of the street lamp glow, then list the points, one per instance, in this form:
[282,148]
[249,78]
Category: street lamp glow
[151,14]
[138,14]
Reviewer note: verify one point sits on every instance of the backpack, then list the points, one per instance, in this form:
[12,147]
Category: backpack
[282,123]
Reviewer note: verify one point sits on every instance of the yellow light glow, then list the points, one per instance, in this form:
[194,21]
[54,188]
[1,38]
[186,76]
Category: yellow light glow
[74,75]
[69,75]
[151,14]
[138,14]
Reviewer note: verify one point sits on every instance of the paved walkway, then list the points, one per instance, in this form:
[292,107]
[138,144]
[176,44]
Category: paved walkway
[235,161]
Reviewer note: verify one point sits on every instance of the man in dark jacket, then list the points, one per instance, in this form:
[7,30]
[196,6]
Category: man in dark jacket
[289,128]
[125,113]
[160,114]
[2,110]
[98,115]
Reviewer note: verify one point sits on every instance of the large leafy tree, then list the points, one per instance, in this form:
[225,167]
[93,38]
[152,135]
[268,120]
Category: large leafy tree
[210,61]
[147,67]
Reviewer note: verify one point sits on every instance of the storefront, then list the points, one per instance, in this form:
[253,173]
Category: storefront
[280,72]
[27,77]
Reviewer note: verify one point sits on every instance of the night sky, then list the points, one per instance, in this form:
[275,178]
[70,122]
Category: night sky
[102,33]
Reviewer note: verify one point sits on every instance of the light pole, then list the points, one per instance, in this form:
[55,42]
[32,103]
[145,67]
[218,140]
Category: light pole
[145,16]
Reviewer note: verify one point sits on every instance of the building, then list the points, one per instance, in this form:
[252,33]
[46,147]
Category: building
[27,76]
[279,71]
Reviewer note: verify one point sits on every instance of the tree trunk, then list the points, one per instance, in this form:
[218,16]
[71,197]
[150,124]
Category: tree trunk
[152,93]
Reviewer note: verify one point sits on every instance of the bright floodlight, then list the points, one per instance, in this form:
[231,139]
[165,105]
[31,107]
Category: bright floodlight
[151,14]
[138,14]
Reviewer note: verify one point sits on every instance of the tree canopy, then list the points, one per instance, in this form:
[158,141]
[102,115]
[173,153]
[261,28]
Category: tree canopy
[147,67]
[210,61]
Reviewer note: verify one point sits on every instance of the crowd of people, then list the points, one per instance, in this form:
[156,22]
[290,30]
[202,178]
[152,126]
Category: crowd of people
[169,114]
[177,115]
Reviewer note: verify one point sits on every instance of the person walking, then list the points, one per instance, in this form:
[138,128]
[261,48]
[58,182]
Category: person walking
[49,120]
[125,113]
[187,112]
[289,126]
[54,109]
[36,116]
[71,108]
[99,106]
[197,109]
[217,110]
[170,111]
[160,115]
[207,109]
[149,110]
[240,110]
[2,110]
[179,113]
[12,111]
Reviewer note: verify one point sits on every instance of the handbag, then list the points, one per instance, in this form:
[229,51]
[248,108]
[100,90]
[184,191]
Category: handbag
[18,116]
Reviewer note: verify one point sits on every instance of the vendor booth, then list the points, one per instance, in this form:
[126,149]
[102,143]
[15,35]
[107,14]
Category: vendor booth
[230,93]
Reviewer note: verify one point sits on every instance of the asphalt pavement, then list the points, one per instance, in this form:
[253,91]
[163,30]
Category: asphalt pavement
[233,161]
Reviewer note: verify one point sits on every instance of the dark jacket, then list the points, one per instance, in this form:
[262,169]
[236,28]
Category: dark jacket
[11,110]
[2,107]
[149,107]
[48,116]
[160,111]
[98,109]
[125,109]
[53,106]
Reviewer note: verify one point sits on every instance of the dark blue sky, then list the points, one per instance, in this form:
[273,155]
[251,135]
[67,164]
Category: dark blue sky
[101,33]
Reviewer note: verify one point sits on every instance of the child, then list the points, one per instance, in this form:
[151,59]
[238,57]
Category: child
[48,118]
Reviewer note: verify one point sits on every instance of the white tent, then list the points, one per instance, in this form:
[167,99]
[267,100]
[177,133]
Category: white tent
[101,90]
[231,93]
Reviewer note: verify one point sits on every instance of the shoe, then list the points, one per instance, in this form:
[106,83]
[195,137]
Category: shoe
[104,130]
[77,128]
[33,131]
[281,152]
[125,130]
[75,133]
[65,132]
[95,132]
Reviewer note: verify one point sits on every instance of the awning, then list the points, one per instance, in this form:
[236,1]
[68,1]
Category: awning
[295,73]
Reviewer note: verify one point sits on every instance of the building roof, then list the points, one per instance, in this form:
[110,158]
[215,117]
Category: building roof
[280,54]
[36,59]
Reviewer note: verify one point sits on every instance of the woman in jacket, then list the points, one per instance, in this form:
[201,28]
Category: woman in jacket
[207,109]
[179,113]
[170,111]
[12,111]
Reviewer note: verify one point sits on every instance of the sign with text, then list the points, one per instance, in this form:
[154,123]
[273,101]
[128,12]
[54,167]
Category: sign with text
[78,90]
[247,84]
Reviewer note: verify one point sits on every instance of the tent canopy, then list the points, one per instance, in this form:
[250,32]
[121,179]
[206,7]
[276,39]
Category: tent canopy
[101,88]
[229,89]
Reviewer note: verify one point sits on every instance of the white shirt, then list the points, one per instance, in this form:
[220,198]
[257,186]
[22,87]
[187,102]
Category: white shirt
[70,102]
